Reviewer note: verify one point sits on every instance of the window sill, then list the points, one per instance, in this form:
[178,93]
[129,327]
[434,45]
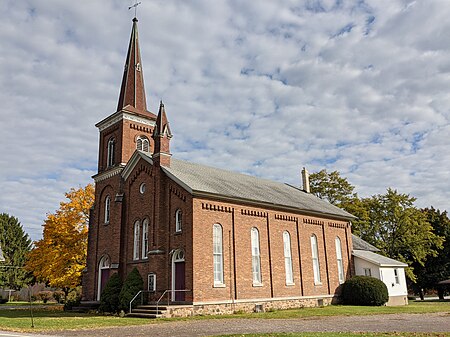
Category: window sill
[257,284]
[219,285]
[178,232]
[106,223]
[290,284]
[318,284]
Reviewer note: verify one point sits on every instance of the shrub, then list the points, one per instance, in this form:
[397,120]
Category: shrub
[109,299]
[44,295]
[133,283]
[3,300]
[364,290]
[58,295]
[73,299]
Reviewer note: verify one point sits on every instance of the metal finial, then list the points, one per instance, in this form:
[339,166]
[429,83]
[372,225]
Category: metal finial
[135,8]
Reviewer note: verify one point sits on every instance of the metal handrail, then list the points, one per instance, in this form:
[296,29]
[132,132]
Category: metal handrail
[168,298]
[135,296]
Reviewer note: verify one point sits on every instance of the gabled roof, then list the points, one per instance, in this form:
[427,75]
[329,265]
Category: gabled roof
[377,259]
[360,244]
[201,180]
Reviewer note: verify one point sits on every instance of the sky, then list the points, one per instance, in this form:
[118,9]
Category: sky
[260,87]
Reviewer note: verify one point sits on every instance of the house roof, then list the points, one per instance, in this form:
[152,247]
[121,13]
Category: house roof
[201,180]
[377,259]
[360,244]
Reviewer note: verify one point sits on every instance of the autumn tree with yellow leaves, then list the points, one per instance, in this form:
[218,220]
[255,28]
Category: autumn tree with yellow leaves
[60,256]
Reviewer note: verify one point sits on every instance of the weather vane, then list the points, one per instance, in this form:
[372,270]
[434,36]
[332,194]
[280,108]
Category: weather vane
[135,7]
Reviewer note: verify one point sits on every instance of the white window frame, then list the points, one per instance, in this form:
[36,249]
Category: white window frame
[340,261]
[367,272]
[218,255]
[151,282]
[315,260]
[178,220]
[143,144]
[145,238]
[136,239]
[288,258]
[111,152]
[107,209]
[256,257]
[396,276]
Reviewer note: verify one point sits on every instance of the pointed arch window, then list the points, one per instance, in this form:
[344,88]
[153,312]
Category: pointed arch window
[136,240]
[315,259]
[256,257]
[143,144]
[145,239]
[218,254]
[111,152]
[178,220]
[340,262]
[107,209]
[288,258]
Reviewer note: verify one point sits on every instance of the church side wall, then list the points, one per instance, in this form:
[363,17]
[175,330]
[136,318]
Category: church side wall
[237,222]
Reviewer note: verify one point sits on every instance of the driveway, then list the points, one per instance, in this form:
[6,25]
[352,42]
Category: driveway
[438,322]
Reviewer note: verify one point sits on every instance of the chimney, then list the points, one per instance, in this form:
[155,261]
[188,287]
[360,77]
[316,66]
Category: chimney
[305,179]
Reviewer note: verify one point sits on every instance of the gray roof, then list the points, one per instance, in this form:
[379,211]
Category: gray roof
[378,259]
[201,180]
[360,244]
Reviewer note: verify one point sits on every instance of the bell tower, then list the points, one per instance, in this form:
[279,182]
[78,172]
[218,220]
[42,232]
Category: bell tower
[131,126]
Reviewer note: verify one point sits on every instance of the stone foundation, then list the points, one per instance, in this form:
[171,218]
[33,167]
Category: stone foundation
[247,306]
[397,300]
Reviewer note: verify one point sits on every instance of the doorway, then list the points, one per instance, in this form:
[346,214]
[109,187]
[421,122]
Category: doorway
[178,276]
[103,275]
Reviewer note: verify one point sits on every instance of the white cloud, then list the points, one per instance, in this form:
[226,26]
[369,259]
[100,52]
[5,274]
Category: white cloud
[259,87]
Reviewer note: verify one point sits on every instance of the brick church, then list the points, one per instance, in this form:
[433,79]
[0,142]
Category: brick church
[211,239]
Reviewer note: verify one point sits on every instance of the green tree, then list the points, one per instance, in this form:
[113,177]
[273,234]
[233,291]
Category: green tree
[400,230]
[133,283]
[15,245]
[109,299]
[331,187]
[436,267]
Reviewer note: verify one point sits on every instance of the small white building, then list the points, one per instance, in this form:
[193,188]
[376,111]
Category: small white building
[390,271]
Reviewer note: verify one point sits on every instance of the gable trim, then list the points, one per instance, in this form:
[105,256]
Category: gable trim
[128,169]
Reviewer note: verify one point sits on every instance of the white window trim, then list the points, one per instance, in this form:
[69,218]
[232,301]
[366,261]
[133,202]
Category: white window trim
[111,151]
[288,258]
[107,209]
[149,276]
[256,257]
[340,261]
[145,225]
[218,254]
[315,260]
[136,239]
[178,220]
[396,276]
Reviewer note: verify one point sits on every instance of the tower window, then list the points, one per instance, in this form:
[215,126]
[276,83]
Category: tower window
[111,150]
[178,220]
[142,144]
[107,209]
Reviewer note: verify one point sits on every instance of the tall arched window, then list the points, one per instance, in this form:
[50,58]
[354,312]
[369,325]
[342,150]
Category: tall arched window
[340,262]
[218,254]
[288,258]
[178,220]
[107,209]
[256,257]
[136,240]
[315,259]
[145,239]
[143,144]
[111,151]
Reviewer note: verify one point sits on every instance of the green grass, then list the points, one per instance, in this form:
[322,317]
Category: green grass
[52,318]
[346,334]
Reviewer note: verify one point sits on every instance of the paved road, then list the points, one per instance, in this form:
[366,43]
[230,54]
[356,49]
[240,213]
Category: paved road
[439,322]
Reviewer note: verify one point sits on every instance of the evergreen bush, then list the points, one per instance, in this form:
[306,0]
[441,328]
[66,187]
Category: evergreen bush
[109,299]
[133,283]
[364,290]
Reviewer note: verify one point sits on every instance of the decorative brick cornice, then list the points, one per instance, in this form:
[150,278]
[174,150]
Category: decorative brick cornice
[107,174]
[178,193]
[142,168]
[217,208]
[122,115]
[254,213]
[337,225]
[313,222]
[286,217]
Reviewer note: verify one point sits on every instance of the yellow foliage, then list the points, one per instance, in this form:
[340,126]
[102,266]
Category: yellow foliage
[60,256]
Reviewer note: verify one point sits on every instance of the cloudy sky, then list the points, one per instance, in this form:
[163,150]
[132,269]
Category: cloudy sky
[261,87]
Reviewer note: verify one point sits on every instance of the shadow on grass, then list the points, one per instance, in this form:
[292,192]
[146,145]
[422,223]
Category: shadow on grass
[40,313]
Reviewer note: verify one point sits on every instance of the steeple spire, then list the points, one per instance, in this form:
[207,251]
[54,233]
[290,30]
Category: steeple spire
[161,136]
[132,91]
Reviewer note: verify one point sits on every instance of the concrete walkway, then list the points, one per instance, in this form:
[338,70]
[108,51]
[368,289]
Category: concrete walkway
[439,322]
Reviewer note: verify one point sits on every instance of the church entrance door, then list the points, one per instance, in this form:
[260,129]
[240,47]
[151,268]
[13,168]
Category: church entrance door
[178,276]
[103,275]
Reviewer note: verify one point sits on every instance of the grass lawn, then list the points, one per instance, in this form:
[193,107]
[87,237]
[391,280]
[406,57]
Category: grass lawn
[53,318]
[342,334]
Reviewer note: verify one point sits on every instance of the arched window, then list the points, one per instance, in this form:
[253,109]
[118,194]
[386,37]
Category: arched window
[288,258]
[142,144]
[218,254]
[256,257]
[340,262]
[107,209]
[111,152]
[315,259]
[136,240]
[145,239]
[178,220]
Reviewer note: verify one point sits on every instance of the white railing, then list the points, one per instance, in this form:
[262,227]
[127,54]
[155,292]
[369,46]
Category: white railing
[168,291]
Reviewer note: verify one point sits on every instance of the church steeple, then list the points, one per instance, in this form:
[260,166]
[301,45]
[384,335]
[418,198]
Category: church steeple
[132,91]
[161,137]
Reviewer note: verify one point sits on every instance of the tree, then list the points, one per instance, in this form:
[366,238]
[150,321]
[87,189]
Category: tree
[331,187]
[15,245]
[133,283]
[400,230]
[60,256]
[436,267]
[109,299]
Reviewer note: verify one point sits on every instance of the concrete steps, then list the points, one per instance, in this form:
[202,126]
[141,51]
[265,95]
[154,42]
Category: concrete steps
[148,311]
